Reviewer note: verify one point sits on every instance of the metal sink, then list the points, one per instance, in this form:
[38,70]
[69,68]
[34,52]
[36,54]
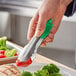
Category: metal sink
[20,7]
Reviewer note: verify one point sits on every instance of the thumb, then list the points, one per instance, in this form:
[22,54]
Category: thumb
[32,26]
[40,26]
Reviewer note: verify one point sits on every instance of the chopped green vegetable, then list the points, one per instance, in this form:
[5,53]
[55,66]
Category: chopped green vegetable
[41,73]
[13,52]
[3,41]
[26,73]
[47,70]
[3,48]
[51,68]
[10,53]
[44,72]
[55,74]
[36,73]
[7,53]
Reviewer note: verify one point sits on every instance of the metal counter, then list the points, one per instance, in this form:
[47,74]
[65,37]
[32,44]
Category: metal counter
[20,7]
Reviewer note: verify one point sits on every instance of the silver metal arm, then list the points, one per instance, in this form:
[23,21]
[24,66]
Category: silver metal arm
[30,49]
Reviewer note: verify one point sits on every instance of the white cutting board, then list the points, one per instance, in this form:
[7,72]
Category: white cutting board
[36,66]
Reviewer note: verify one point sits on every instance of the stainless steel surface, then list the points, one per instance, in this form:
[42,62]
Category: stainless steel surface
[23,3]
[13,25]
[19,7]
[5,24]
[30,49]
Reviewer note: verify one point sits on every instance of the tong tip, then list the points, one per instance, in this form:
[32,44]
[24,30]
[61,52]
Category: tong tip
[24,64]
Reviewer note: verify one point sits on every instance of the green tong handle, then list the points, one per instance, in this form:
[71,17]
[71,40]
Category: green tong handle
[48,28]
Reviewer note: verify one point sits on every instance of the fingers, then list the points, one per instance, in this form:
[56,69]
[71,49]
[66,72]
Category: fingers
[48,39]
[56,22]
[40,26]
[38,23]
[32,26]
[43,44]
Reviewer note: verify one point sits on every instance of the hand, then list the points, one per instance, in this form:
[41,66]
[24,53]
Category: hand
[50,9]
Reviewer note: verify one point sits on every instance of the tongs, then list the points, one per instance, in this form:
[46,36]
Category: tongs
[28,54]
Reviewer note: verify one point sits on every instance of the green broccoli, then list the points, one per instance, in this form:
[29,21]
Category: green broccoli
[48,70]
[55,74]
[51,68]
[36,73]
[44,72]
[41,73]
[26,73]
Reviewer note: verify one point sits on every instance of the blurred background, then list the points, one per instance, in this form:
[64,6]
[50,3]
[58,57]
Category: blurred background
[14,21]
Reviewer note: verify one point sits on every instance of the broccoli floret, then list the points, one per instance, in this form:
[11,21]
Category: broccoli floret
[48,70]
[26,73]
[43,72]
[36,73]
[55,74]
[51,68]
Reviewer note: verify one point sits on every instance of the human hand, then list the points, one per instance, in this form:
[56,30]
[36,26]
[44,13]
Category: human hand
[50,9]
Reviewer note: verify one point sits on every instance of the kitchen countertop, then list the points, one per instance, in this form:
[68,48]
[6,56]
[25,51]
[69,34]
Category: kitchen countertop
[39,59]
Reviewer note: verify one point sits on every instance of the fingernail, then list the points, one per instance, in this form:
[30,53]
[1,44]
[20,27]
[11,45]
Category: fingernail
[29,39]
[37,34]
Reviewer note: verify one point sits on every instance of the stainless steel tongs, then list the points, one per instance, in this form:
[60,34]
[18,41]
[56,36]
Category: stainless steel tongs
[28,54]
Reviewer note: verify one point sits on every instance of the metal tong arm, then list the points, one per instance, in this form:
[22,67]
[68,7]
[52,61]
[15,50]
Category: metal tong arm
[32,46]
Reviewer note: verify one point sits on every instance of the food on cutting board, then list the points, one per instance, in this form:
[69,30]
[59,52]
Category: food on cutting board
[6,51]
[47,70]
[9,70]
